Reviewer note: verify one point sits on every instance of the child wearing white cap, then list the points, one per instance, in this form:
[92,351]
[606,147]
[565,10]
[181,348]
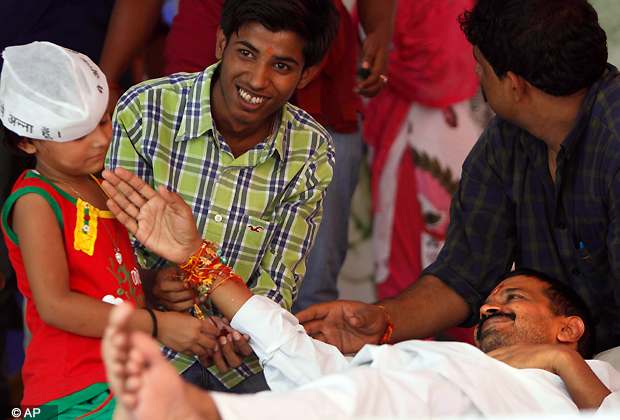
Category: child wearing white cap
[72,257]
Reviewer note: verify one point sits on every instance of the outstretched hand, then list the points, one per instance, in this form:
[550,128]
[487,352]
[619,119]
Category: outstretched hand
[162,221]
[346,324]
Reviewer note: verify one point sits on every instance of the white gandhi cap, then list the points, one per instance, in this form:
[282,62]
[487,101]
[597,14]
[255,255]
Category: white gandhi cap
[48,92]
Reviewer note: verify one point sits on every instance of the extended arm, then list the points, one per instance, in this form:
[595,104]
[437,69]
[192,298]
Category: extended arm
[428,299]
[48,275]
[292,358]
[349,325]
[479,248]
[163,222]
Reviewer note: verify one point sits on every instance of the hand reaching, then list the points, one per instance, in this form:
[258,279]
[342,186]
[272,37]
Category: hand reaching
[346,324]
[186,334]
[232,349]
[161,222]
[170,292]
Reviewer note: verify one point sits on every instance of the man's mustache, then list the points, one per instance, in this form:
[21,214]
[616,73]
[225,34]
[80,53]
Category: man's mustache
[484,318]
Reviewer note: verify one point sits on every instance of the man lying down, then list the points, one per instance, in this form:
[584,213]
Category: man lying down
[532,338]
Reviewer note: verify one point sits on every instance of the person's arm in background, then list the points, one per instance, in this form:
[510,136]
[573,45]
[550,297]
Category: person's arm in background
[349,325]
[377,19]
[479,247]
[130,26]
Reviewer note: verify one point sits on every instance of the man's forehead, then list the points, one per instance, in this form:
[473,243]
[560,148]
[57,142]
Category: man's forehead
[258,38]
[526,284]
[252,27]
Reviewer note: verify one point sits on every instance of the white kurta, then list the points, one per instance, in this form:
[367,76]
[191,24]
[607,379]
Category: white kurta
[313,380]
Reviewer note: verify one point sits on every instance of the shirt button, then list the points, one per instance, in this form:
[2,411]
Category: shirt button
[561,225]
[218,217]
[575,271]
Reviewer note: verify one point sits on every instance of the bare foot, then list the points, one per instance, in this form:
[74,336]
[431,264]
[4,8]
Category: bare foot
[144,383]
[115,352]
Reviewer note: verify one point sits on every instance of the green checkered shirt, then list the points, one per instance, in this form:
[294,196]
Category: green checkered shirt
[263,208]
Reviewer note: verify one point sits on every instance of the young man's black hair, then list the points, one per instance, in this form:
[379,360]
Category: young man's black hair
[564,301]
[315,21]
[556,45]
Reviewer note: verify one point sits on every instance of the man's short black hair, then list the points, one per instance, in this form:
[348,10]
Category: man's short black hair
[558,46]
[564,301]
[315,21]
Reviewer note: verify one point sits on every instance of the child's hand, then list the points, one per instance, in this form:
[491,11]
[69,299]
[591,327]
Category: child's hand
[170,292]
[162,222]
[186,334]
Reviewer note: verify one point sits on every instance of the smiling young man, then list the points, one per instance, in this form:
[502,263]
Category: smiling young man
[253,168]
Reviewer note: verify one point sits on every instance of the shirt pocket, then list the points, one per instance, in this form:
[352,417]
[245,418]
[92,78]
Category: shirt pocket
[594,254]
[250,239]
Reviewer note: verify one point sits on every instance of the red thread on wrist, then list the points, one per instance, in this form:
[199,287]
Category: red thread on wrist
[116,88]
[387,333]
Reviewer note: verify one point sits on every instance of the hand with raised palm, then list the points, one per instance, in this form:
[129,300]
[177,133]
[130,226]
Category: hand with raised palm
[161,221]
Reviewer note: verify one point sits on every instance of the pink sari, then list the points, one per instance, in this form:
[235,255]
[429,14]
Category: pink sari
[420,129]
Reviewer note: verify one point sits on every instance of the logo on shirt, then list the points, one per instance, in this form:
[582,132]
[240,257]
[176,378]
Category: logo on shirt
[256,228]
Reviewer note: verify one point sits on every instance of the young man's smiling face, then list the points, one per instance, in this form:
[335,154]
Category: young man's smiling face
[259,72]
[517,311]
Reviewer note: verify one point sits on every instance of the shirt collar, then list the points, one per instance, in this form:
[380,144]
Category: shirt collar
[585,113]
[197,119]
[583,118]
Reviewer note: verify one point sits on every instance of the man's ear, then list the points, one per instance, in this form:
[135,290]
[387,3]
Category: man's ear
[27,146]
[572,329]
[307,75]
[519,86]
[220,43]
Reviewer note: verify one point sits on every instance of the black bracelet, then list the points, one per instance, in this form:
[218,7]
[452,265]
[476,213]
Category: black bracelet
[154,318]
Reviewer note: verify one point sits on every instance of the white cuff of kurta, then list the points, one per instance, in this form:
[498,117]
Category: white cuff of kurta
[289,356]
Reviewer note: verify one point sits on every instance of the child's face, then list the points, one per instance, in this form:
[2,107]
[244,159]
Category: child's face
[78,157]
